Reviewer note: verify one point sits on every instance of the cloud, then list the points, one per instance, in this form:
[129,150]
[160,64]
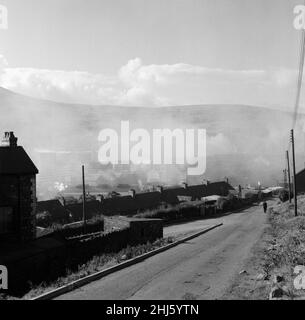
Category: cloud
[73,86]
[138,84]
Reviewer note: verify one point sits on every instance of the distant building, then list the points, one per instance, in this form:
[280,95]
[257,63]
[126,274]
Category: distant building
[300,181]
[17,192]
[135,202]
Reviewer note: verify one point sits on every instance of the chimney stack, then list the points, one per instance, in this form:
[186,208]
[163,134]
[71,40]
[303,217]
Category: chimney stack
[9,140]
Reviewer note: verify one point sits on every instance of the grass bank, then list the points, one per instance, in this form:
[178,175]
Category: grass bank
[270,271]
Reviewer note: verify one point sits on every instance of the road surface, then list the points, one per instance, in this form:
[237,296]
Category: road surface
[202,268]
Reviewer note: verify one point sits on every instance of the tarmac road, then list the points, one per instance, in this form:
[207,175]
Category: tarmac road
[202,268]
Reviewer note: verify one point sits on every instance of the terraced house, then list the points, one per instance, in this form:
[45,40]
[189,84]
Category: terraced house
[17,192]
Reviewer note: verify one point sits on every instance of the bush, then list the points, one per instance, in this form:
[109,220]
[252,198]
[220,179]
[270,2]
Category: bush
[284,195]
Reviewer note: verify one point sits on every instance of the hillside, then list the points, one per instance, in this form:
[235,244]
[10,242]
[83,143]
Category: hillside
[250,137]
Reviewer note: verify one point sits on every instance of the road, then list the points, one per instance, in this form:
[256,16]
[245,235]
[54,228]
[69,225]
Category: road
[202,268]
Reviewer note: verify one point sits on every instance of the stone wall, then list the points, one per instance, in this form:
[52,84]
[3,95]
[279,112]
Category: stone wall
[145,229]
[19,193]
[27,208]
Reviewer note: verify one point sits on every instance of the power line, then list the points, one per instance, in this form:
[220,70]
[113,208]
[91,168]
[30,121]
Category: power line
[300,78]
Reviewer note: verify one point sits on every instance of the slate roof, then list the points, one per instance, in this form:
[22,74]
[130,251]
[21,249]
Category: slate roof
[129,204]
[149,200]
[15,161]
[57,213]
[170,195]
[54,208]
[118,205]
[221,188]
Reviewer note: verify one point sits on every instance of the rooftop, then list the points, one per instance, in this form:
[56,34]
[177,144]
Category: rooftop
[13,159]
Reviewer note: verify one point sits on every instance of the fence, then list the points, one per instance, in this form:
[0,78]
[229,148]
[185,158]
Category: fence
[47,259]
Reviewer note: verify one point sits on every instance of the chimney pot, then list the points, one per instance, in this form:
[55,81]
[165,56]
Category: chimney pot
[9,140]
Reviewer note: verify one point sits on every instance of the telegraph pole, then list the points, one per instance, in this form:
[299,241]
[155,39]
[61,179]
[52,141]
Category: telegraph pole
[84,199]
[294,176]
[289,181]
[285,178]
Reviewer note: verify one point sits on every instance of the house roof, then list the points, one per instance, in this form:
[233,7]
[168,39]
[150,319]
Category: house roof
[221,188]
[196,191]
[48,205]
[170,195]
[129,204]
[53,207]
[118,205]
[15,161]
[147,200]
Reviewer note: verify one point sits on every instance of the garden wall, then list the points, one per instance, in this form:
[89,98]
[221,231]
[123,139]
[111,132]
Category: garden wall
[47,259]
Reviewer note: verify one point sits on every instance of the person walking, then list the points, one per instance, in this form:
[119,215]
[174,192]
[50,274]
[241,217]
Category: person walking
[265,206]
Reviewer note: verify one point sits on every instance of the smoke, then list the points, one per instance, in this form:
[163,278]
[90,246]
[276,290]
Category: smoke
[246,144]
[220,144]
[60,186]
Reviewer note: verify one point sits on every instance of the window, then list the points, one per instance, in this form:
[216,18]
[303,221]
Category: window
[6,220]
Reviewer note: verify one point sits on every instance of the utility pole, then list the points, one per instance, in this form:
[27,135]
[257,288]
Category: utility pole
[84,199]
[289,181]
[294,176]
[285,178]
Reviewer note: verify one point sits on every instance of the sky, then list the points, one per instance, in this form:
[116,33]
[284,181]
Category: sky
[152,53]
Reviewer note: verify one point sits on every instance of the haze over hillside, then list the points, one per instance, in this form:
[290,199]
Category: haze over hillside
[244,143]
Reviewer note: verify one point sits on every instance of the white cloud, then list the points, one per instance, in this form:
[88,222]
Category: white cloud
[74,86]
[154,85]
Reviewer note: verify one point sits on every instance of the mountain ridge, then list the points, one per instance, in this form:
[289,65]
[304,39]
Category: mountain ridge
[10,93]
[237,130]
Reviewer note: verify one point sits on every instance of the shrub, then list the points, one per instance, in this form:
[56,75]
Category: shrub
[284,195]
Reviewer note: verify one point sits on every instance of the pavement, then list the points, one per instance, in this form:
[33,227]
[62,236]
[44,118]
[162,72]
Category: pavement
[202,268]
